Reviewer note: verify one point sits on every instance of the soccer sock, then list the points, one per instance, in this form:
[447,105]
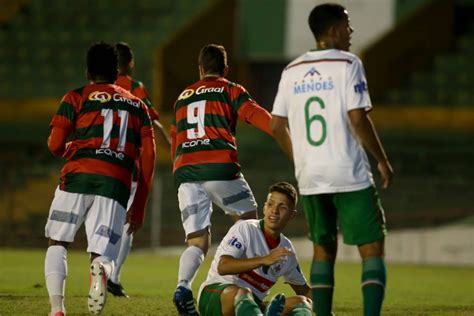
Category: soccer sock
[125,245]
[374,278]
[244,304]
[301,310]
[106,263]
[55,271]
[189,263]
[322,284]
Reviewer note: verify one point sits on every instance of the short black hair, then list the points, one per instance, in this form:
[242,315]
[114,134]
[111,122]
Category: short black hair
[287,189]
[125,54]
[102,62]
[213,59]
[323,16]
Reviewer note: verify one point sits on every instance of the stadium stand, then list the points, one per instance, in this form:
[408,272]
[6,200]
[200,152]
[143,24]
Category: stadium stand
[42,44]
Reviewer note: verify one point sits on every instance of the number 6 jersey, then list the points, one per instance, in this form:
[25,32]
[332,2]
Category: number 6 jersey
[316,92]
[203,145]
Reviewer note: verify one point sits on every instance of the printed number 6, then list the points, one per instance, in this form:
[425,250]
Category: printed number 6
[311,119]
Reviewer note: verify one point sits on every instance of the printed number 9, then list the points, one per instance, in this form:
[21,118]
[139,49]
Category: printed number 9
[311,119]
[196,113]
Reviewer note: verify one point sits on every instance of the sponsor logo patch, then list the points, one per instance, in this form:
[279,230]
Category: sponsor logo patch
[186,94]
[100,96]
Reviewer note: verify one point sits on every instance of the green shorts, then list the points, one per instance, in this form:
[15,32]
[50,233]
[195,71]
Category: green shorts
[360,215]
[210,300]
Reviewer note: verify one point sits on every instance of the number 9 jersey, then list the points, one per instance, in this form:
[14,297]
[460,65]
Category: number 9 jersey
[315,94]
[203,145]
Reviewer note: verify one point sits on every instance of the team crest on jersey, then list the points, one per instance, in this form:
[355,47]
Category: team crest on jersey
[186,94]
[312,72]
[100,96]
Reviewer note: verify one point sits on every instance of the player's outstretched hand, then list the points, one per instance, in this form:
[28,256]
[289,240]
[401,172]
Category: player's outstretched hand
[386,173]
[133,226]
[277,254]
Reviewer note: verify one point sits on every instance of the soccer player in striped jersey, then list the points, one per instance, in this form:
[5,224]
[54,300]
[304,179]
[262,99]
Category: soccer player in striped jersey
[101,130]
[205,166]
[126,63]
[320,119]
[249,261]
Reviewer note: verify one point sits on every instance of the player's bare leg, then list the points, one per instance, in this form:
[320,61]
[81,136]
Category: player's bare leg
[247,215]
[322,277]
[238,301]
[55,270]
[189,263]
[374,276]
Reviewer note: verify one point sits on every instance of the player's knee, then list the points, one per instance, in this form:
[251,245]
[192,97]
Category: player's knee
[249,215]
[53,242]
[372,249]
[200,239]
[326,252]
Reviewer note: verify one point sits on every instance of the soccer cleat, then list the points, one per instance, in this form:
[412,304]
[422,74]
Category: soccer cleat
[60,313]
[184,302]
[276,305]
[116,289]
[98,288]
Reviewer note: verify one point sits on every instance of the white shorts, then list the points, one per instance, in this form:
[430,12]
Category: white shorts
[103,219]
[195,201]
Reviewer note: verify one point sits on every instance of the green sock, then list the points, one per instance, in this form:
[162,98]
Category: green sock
[374,278]
[301,310]
[322,284]
[246,305]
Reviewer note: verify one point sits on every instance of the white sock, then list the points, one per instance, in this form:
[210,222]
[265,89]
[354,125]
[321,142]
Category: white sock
[189,263]
[55,271]
[125,245]
[107,263]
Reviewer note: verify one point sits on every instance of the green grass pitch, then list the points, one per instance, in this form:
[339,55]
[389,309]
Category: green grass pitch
[150,280]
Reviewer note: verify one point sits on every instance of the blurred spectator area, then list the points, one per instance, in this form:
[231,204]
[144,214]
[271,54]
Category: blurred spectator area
[419,75]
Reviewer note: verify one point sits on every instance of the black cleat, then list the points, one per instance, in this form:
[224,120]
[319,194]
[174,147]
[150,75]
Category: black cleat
[184,302]
[116,289]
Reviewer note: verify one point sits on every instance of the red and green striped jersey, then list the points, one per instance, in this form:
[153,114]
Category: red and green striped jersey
[137,88]
[106,125]
[203,130]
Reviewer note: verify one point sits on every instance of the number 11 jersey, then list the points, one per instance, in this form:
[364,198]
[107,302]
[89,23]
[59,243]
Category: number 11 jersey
[315,94]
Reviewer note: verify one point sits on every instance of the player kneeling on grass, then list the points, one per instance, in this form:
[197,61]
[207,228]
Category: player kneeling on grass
[249,261]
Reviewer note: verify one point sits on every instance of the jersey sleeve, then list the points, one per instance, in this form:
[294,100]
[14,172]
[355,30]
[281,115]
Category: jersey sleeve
[294,275]
[280,105]
[142,92]
[235,242]
[67,113]
[357,96]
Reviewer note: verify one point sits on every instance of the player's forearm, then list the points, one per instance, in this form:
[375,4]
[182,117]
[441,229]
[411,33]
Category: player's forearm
[230,265]
[256,116]
[57,141]
[365,130]
[145,177]
[281,134]
[162,137]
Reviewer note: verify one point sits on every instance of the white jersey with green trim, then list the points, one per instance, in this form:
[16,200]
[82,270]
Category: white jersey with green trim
[246,240]
[315,94]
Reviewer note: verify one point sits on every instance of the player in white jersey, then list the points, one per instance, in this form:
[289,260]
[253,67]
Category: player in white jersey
[249,261]
[320,119]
